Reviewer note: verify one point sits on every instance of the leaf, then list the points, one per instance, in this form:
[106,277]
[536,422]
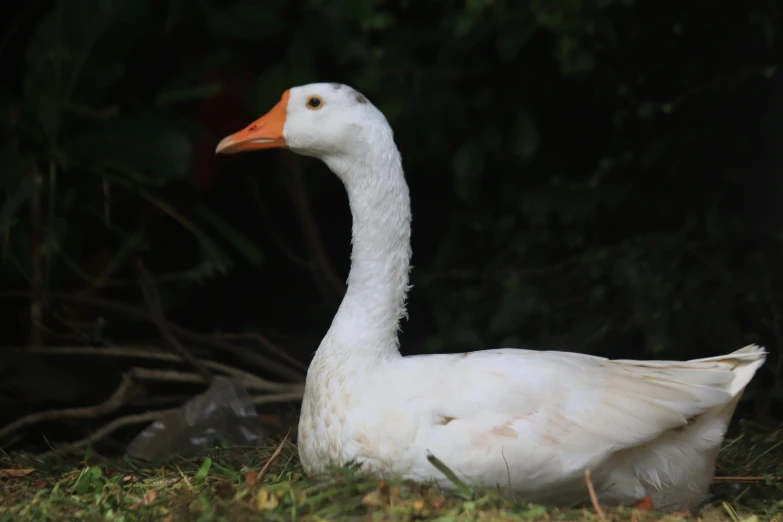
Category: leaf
[534,512]
[240,241]
[266,500]
[148,498]
[14,473]
[144,142]
[88,480]
[463,489]
[203,471]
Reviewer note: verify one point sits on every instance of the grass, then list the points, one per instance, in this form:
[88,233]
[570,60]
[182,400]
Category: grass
[242,484]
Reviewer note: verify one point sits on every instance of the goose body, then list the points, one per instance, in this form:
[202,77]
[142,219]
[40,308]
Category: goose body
[527,421]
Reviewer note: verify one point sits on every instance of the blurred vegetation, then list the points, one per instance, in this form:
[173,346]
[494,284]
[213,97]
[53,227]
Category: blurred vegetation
[601,176]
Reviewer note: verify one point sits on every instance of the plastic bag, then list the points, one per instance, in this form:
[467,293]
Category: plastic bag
[223,413]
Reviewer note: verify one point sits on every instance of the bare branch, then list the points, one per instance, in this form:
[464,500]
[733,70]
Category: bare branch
[278,397]
[142,352]
[103,431]
[249,356]
[142,418]
[139,418]
[150,292]
[175,376]
[291,392]
[114,402]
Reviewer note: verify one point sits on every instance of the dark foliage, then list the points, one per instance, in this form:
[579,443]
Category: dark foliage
[601,176]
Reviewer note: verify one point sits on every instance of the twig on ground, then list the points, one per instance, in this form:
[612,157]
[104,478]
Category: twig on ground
[295,395]
[105,430]
[273,457]
[159,401]
[247,378]
[114,402]
[249,356]
[176,376]
[744,479]
[150,374]
[593,497]
[128,420]
[150,292]
[285,392]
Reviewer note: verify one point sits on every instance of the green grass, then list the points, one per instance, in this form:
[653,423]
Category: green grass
[241,484]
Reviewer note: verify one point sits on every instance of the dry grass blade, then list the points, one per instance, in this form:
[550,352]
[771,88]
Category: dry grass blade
[464,490]
[10,473]
[593,497]
[273,457]
[739,479]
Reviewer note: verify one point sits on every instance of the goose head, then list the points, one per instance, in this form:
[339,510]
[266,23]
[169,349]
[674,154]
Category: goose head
[322,120]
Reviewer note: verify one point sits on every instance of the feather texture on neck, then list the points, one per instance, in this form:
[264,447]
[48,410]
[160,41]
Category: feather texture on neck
[367,322]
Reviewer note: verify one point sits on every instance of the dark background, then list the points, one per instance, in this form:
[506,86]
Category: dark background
[599,176]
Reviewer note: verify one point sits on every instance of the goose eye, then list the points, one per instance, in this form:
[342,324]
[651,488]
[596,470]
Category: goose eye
[314,102]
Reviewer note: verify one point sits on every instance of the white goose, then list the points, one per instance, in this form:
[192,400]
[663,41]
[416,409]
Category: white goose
[524,420]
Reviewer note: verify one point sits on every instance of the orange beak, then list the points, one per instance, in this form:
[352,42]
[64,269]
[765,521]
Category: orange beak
[264,133]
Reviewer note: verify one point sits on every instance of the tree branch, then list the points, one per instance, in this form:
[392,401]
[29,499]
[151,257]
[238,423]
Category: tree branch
[103,431]
[141,352]
[251,357]
[151,296]
[114,402]
[176,376]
